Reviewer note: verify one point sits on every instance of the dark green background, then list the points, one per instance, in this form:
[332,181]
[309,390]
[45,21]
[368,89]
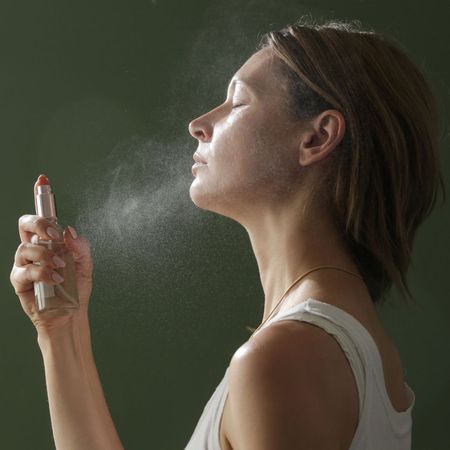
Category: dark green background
[98,96]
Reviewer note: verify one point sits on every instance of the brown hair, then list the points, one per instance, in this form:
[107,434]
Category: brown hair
[382,180]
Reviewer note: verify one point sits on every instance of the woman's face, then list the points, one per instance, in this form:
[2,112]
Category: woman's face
[249,143]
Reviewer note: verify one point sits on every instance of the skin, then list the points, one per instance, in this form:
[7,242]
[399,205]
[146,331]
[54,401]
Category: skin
[260,164]
[79,412]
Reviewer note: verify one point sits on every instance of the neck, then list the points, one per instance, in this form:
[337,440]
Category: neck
[285,249]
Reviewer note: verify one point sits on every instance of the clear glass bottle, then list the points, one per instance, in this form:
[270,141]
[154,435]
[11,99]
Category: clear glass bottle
[62,298]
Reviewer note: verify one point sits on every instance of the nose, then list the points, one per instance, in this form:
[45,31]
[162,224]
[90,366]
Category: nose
[200,129]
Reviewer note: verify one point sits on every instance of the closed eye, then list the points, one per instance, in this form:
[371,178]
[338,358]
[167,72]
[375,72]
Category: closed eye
[237,106]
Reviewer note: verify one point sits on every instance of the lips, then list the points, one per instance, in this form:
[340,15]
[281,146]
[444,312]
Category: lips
[199,158]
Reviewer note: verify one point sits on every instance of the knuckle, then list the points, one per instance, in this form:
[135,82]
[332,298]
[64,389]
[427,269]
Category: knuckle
[13,277]
[19,251]
[23,246]
[25,218]
[21,221]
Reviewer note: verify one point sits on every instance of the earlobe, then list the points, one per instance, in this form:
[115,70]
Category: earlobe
[306,148]
[304,159]
[310,156]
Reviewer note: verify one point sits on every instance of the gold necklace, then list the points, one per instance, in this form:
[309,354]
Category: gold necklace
[297,280]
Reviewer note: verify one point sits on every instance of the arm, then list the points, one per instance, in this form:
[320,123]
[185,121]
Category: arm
[286,391]
[78,410]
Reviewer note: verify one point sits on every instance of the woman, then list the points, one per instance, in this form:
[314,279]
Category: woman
[326,151]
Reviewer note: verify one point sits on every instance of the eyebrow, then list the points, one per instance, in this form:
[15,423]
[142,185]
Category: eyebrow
[247,83]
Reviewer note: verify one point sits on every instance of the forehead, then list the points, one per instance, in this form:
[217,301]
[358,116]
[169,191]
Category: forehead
[260,70]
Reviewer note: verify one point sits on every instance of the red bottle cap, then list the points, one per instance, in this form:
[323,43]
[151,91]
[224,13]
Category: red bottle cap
[42,180]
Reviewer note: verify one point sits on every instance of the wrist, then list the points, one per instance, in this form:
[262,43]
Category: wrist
[72,330]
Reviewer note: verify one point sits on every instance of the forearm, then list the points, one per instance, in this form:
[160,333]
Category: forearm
[78,410]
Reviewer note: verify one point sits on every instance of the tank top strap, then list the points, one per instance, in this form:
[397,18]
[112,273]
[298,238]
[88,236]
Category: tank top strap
[353,338]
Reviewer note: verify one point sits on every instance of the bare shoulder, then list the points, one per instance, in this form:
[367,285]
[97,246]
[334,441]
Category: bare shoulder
[288,384]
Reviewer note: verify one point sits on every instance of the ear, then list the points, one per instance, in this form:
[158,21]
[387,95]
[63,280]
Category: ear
[323,134]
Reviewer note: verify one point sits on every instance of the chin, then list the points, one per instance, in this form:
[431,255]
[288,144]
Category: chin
[201,198]
[210,201]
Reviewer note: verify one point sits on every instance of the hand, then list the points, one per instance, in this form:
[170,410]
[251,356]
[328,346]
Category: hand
[24,273]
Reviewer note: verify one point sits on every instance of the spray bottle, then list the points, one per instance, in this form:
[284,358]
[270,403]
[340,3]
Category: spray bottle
[60,299]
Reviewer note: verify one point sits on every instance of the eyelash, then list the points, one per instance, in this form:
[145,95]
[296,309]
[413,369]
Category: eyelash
[236,106]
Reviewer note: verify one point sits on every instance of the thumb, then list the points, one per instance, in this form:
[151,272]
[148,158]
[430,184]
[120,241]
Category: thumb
[79,246]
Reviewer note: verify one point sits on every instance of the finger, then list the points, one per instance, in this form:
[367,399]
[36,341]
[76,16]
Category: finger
[32,224]
[79,246]
[31,253]
[81,252]
[22,278]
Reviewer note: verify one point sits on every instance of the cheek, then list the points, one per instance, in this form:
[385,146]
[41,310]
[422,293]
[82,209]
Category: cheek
[241,136]
[252,160]
[237,154]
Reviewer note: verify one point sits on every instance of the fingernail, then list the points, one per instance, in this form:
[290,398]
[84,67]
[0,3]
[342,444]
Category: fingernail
[58,261]
[57,277]
[72,232]
[52,233]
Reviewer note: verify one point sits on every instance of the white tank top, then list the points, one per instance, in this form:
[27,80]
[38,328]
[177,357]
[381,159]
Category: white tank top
[380,426]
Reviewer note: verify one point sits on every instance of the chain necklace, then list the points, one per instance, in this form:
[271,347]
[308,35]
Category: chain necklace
[296,281]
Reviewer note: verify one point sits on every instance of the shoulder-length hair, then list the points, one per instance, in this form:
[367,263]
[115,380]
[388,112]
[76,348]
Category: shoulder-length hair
[382,179]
